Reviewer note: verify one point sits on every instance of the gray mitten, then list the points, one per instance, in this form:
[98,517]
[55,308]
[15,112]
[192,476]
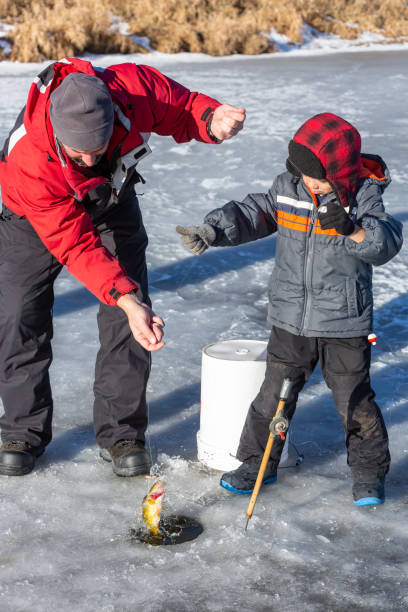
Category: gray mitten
[197,238]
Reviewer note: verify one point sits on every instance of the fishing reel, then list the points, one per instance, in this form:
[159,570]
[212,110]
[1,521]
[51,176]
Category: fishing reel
[279,425]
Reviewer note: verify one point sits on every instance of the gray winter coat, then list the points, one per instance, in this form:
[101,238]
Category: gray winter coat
[321,283]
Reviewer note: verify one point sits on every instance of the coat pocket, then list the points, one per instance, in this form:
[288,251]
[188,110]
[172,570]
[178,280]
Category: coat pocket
[352,301]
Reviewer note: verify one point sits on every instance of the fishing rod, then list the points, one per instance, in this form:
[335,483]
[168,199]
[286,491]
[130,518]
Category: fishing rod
[277,427]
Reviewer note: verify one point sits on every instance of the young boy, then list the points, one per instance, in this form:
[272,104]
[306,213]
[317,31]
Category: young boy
[331,227]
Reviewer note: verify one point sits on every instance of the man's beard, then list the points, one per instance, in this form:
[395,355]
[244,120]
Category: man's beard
[79,161]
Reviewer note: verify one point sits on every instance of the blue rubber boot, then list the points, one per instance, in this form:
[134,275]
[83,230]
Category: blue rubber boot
[369,492]
[242,480]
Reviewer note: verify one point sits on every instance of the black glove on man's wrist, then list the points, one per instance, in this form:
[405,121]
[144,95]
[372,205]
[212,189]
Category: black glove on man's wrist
[333,216]
[197,238]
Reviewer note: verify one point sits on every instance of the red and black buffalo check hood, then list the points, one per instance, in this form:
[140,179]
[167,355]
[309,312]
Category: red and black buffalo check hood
[328,147]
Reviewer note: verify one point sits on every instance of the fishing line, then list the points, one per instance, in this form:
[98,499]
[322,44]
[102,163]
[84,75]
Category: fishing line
[149,444]
[184,278]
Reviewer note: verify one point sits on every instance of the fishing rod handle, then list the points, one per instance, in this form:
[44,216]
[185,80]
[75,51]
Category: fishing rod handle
[286,389]
[260,476]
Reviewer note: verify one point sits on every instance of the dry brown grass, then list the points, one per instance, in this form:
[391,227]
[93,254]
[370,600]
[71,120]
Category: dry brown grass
[216,27]
[388,17]
[54,28]
[59,28]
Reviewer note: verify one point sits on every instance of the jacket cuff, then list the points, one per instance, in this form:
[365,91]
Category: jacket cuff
[209,132]
[119,289]
[207,117]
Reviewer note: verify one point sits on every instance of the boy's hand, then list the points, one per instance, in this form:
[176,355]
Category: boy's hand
[333,216]
[197,238]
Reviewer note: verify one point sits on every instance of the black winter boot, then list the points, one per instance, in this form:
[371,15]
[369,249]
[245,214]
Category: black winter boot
[369,491]
[242,480]
[128,457]
[18,458]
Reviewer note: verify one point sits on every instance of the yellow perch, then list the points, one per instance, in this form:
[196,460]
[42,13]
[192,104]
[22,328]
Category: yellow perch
[152,506]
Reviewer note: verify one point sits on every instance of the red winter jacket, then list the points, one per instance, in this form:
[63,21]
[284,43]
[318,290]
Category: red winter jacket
[44,185]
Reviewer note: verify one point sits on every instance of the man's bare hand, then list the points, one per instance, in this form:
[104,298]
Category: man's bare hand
[146,327]
[227,121]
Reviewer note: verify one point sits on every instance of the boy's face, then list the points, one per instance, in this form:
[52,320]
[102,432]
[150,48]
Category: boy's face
[317,186]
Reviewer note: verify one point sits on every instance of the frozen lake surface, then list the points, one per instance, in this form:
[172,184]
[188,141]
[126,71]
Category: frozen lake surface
[64,528]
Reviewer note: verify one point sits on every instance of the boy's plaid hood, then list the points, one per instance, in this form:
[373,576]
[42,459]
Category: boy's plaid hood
[328,147]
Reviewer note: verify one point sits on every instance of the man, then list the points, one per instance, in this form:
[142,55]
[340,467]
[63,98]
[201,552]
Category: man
[67,177]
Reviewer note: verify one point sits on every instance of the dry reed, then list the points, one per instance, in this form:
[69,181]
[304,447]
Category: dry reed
[54,28]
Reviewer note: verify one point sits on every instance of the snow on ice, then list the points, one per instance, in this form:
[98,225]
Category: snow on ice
[64,541]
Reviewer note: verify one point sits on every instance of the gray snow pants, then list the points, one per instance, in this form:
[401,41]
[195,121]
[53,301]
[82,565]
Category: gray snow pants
[345,364]
[27,274]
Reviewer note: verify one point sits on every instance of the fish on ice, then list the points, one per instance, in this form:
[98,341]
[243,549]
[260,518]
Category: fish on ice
[152,507]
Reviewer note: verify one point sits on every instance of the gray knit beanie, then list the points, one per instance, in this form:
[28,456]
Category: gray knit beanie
[81,112]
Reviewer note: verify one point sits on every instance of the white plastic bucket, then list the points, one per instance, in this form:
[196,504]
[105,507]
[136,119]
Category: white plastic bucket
[231,375]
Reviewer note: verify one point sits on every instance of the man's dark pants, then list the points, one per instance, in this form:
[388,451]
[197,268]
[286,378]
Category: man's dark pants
[27,274]
[345,364]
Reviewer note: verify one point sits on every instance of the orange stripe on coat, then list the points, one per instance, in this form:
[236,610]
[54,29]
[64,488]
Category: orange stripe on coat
[330,232]
[294,218]
[302,224]
[291,225]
